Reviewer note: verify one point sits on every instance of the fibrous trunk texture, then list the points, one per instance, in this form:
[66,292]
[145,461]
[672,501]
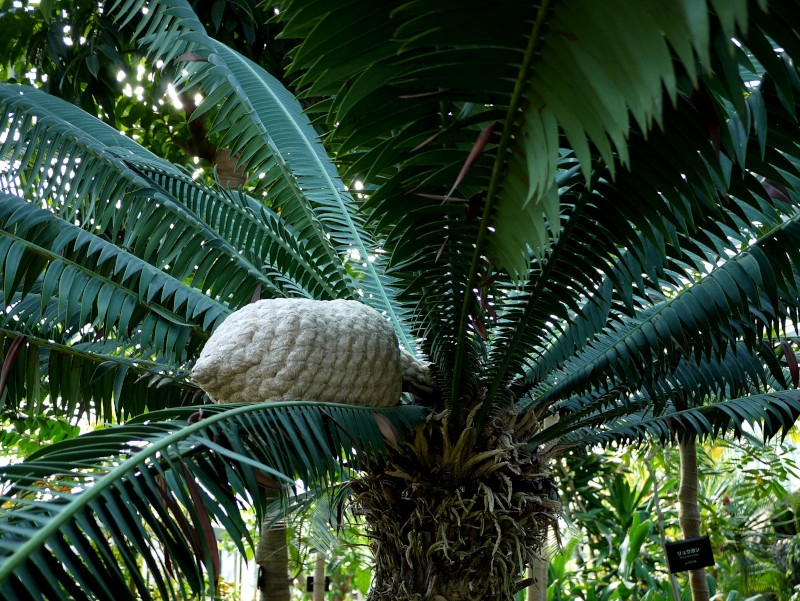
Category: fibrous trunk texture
[689,511]
[452,519]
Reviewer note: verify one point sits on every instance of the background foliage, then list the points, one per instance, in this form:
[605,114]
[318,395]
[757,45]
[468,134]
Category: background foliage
[628,265]
[612,547]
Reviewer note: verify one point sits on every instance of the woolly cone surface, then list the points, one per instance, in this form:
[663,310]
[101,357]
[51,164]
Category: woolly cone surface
[449,522]
[285,349]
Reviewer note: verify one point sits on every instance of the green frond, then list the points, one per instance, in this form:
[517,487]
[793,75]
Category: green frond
[266,127]
[633,422]
[85,272]
[655,228]
[746,298]
[416,147]
[89,311]
[108,380]
[115,197]
[682,382]
[294,263]
[164,478]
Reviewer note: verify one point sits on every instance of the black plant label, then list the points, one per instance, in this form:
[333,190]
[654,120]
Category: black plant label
[690,554]
[310,584]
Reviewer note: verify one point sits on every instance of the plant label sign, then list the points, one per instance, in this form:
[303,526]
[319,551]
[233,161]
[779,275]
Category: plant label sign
[310,584]
[690,554]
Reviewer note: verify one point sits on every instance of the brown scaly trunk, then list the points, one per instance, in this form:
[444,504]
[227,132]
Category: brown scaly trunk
[689,511]
[227,173]
[454,520]
[272,558]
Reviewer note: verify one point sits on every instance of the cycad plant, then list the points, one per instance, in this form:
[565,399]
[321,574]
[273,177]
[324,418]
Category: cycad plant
[584,215]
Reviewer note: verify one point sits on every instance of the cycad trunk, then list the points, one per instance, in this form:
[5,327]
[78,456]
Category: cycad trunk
[689,511]
[451,520]
[227,173]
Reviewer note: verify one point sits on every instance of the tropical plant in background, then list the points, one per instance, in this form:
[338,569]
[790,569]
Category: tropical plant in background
[318,534]
[583,214]
[313,531]
[612,547]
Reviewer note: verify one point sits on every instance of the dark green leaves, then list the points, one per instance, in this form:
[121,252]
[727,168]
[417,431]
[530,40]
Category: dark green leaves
[262,123]
[774,411]
[163,479]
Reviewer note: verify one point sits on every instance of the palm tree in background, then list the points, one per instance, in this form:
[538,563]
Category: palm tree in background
[584,215]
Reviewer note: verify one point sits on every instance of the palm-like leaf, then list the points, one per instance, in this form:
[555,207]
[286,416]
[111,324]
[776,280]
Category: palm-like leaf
[599,223]
[266,128]
[635,421]
[752,292]
[162,229]
[166,478]
[687,222]
[612,92]
[430,129]
[133,252]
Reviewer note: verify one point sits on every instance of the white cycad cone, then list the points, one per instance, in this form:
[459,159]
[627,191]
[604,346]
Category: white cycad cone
[303,350]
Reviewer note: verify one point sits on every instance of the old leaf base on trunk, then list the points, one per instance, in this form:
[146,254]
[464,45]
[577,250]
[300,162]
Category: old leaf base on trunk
[452,519]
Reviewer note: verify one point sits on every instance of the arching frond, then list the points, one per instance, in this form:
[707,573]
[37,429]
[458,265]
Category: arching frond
[164,479]
[746,298]
[151,206]
[266,128]
[774,410]
[656,227]
[450,145]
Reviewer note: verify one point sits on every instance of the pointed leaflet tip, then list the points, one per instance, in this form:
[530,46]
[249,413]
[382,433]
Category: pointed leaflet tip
[9,361]
[205,524]
[476,151]
[427,141]
[441,250]
[388,430]
[191,57]
[266,482]
[791,362]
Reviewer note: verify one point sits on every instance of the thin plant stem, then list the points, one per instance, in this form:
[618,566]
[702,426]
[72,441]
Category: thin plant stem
[656,500]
